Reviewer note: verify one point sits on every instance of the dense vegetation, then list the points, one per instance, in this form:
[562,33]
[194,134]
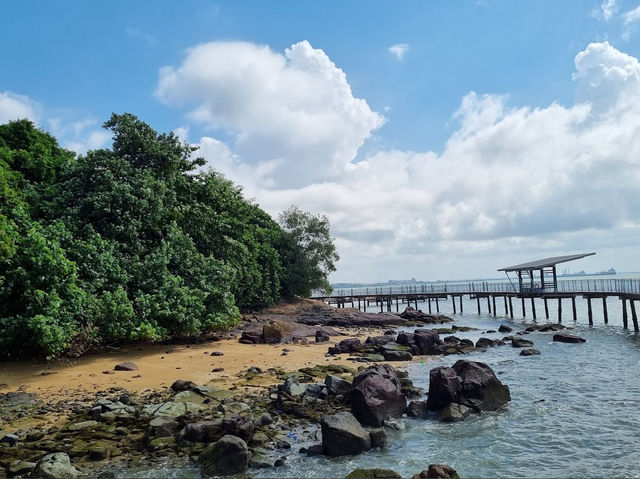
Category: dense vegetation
[135,243]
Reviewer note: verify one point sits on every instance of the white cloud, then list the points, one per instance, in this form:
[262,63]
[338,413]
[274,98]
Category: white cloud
[608,9]
[632,16]
[512,183]
[77,135]
[137,33]
[294,111]
[17,107]
[399,50]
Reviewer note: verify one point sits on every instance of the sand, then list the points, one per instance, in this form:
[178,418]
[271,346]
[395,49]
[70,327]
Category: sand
[160,365]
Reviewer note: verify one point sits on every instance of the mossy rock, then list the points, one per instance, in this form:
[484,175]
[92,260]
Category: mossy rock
[100,451]
[322,370]
[373,474]
[162,443]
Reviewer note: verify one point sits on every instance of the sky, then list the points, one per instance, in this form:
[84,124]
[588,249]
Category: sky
[442,139]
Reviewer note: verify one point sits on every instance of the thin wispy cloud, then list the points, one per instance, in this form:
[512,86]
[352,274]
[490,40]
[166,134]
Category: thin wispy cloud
[399,50]
[606,11]
[136,33]
[632,16]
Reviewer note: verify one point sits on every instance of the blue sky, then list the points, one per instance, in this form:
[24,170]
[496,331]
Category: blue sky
[426,114]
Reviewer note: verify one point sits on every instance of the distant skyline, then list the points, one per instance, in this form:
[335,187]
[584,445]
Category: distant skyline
[442,139]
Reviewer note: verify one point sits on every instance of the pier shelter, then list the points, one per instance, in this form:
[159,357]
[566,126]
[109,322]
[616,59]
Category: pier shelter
[540,276]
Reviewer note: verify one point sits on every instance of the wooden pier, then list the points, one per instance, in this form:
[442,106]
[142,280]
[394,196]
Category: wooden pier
[546,287]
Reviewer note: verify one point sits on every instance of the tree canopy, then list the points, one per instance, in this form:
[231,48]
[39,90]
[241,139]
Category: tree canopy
[134,242]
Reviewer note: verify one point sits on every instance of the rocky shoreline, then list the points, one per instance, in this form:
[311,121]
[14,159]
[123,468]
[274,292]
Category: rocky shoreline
[226,431]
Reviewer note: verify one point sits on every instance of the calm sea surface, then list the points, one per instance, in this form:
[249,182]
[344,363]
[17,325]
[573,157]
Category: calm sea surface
[575,409]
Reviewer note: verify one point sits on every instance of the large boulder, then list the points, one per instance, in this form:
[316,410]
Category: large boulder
[343,435]
[568,338]
[373,474]
[229,455]
[201,431]
[427,341]
[470,383]
[337,385]
[438,471]
[417,315]
[377,395]
[55,466]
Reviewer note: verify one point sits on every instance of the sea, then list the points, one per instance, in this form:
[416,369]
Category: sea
[574,410]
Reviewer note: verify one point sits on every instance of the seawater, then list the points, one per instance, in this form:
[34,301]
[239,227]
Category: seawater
[575,409]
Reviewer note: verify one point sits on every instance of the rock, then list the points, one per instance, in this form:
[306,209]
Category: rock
[237,407]
[217,370]
[201,431]
[504,329]
[322,337]
[315,450]
[397,355]
[337,385]
[416,315]
[373,474]
[181,385]
[405,339]
[251,336]
[529,352]
[427,341]
[488,343]
[255,370]
[438,471]
[162,443]
[472,384]
[282,444]
[378,341]
[10,439]
[80,426]
[342,435]
[377,395]
[454,413]
[418,409]
[521,343]
[99,451]
[379,438]
[568,338]
[162,426]
[259,459]
[217,353]
[126,366]
[351,345]
[347,317]
[55,466]
[316,391]
[170,409]
[264,420]
[292,387]
[227,456]
[238,426]
[20,468]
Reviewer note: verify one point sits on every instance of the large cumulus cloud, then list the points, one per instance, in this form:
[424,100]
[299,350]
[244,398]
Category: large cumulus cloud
[511,183]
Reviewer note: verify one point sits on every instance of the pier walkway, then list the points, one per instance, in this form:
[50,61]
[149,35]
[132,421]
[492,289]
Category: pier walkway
[385,298]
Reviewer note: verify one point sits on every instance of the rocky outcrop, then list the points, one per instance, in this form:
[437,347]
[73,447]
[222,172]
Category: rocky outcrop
[126,366]
[412,314]
[336,385]
[284,331]
[373,474]
[55,466]
[568,338]
[472,384]
[348,317]
[418,409]
[438,471]
[529,352]
[521,343]
[343,435]
[377,395]
[489,343]
[229,455]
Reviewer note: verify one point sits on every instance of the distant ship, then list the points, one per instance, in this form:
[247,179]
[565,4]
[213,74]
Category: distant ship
[566,274]
[607,272]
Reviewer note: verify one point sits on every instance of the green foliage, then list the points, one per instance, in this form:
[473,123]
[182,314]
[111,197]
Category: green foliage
[132,243]
[308,252]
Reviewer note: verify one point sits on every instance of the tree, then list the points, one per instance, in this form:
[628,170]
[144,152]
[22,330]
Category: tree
[307,252]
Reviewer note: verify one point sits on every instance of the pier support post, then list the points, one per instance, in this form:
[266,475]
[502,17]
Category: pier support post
[625,322]
[488,305]
[358,304]
[461,310]
[524,311]
[494,305]
[381,305]
[429,301]
[573,308]
[604,310]
[546,308]
[634,317]
[533,308]
[506,310]
[478,301]
[437,306]
[589,311]
[559,310]
[510,308]
[364,303]
[453,300]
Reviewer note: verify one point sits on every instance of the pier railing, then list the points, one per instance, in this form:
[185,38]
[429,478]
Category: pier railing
[622,286]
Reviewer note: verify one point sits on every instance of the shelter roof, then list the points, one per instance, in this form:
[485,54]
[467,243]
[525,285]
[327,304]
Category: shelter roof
[544,263]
